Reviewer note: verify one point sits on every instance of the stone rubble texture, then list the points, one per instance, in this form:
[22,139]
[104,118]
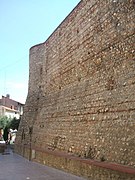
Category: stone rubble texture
[81,97]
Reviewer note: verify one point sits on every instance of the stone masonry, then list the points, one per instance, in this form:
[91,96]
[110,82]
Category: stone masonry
[81,97]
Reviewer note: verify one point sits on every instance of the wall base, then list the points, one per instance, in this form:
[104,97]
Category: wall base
[87,168]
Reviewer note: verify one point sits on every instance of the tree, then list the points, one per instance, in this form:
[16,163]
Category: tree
[6,124]
[10,123]
[4,121]
[5,135]
[14,124]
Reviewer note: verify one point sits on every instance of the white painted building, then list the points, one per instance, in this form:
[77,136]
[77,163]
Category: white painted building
[10,108]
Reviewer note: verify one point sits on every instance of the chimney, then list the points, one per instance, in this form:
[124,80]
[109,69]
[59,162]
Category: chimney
[8,96]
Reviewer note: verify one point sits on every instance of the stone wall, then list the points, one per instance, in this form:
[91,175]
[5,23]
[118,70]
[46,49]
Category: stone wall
[81,98]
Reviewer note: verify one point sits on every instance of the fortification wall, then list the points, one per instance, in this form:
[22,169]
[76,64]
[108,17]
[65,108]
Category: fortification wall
[81,97]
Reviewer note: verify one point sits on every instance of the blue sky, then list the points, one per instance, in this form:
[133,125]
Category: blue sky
[24,23]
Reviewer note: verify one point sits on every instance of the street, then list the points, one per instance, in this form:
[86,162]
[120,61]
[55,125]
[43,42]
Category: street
[15,167]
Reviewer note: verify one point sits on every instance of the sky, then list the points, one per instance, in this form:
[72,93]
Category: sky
[23,24]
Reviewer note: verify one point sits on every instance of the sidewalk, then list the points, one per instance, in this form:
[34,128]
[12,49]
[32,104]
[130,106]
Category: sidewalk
[15,167]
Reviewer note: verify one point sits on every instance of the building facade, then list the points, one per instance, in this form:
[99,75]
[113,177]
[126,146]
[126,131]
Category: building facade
[10,108]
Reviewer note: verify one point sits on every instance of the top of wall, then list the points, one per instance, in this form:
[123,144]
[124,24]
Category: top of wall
[74,11]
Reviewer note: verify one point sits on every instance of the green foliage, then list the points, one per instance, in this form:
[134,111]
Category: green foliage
[10,123]
[5,135]
[14,124]
[4,121]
